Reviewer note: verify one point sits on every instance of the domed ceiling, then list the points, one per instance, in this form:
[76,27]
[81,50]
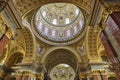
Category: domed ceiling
[58,22]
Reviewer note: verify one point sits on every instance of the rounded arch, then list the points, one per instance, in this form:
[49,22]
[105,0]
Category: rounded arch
[73,51]
[17,49]
[60,55]
[29,41]
[15,53]
[14,58]
[112,78]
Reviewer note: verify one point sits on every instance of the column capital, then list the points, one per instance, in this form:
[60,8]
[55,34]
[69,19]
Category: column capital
[98,72]
[82,75]
[40,76]
[9,33]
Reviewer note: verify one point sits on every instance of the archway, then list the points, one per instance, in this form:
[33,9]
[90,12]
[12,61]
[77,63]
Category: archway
[11,61]
[62,48]
[61,55]
[112,78]
[14,59]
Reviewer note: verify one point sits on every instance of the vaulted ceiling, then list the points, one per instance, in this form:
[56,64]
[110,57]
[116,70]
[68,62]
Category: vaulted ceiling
[38,24]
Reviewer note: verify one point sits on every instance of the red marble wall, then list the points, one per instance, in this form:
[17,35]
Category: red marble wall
[114,28]
[113,25]
[116,17]
[4,40]
[107,46]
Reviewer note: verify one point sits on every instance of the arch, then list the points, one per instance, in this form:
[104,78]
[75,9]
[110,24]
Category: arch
[13,58]
[17,49]
[73,51]
[29,41]
[60,55]
[112,78]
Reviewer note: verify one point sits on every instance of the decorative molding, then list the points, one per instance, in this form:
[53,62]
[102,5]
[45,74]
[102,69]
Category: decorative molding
[30,45]
[24,7]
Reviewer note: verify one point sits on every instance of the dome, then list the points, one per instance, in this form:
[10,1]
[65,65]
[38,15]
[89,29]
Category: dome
[59,21]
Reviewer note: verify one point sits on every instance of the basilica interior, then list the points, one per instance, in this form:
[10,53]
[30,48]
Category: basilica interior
[59,39]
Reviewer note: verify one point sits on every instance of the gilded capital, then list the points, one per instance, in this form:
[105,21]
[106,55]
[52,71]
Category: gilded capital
[9,33]
[2,25]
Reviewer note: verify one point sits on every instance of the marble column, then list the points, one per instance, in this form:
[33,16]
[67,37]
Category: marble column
[4,40]
[112,34]
[18,77]
[104,77]
[40,76]
[116,17]
[95,77]
[3,43]
[95,74]
[26,77]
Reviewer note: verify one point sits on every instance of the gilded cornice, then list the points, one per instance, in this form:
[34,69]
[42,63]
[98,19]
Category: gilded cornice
[67,42]
[98,72]
[24,7]
[111,6]
[108,8]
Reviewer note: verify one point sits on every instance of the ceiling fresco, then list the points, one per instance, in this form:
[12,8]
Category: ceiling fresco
[59,21]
